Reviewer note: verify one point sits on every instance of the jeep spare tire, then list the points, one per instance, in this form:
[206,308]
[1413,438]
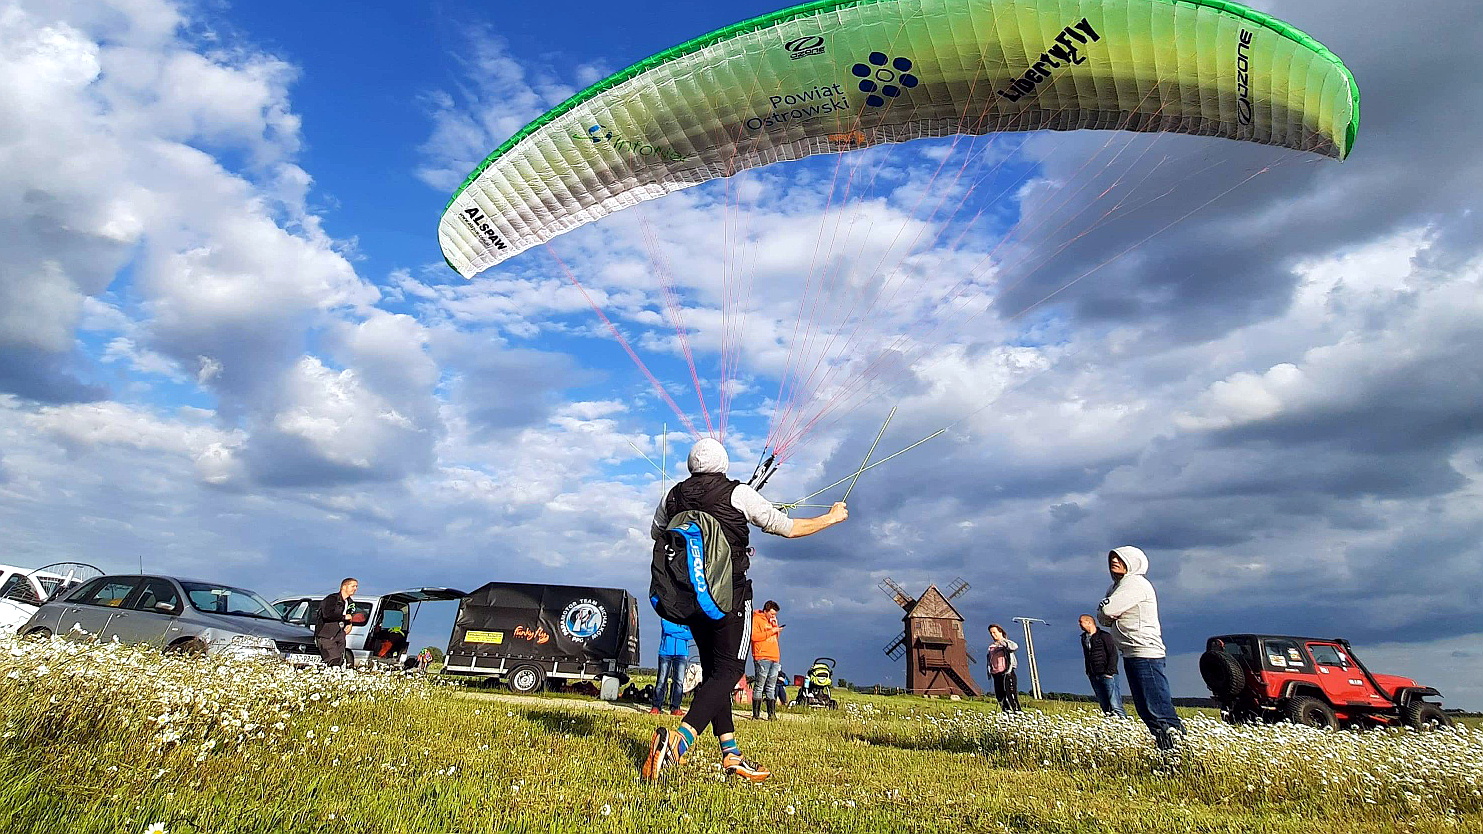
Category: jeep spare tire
[1311,712]
[1223,674]
[1422,715]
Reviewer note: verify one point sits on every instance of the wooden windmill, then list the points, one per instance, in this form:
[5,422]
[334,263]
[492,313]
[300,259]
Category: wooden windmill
[936,652]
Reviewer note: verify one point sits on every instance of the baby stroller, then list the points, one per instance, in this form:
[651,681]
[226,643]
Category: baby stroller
[816,685]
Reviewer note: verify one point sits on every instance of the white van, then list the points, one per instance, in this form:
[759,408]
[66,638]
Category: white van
[381,623]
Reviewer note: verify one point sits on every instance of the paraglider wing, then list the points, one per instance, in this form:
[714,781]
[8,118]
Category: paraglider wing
[839,75]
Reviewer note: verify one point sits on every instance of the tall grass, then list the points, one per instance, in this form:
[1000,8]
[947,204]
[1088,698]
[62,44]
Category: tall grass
[111,739]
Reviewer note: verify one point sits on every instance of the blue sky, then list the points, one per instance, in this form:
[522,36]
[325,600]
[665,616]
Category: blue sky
[229,345]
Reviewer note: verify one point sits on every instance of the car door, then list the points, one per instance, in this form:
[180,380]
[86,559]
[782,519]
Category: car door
[148,614]
[91,612]
[294,611]
[1342,680]
[397,612]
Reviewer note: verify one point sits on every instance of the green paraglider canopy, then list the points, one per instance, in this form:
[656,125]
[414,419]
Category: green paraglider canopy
[841,75]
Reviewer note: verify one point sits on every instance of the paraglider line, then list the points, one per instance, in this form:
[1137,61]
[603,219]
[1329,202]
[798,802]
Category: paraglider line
[659,387]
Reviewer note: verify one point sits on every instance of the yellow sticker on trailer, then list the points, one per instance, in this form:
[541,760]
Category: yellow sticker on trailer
[484,637]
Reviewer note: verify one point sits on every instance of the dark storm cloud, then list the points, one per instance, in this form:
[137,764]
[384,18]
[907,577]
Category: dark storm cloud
[1230,263]
[44,377]
[502,389]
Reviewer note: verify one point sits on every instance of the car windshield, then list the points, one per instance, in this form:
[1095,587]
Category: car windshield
[222,599]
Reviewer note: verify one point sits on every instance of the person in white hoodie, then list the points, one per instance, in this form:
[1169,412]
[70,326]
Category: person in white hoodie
[1131,612]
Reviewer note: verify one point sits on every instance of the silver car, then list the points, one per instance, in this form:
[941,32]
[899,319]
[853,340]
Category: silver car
[177,615]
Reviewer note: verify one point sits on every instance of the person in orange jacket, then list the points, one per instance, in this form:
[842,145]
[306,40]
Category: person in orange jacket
[766,658]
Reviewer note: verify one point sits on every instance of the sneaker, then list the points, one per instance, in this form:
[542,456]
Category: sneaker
[735,765]
[655,711]
[658,755]
[677,712]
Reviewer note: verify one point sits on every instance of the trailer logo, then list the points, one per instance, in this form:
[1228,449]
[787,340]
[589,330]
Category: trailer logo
[583,619]
[536,635]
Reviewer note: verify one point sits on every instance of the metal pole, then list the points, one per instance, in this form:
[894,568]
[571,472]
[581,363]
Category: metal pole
[1030,652]
[866,462]
[1034,668]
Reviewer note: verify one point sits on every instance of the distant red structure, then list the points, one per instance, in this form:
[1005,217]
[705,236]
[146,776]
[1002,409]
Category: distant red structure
[936,651]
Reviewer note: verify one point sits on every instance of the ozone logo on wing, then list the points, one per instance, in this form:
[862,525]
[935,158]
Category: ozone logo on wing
[806,46]
[883,78]
[1243,77]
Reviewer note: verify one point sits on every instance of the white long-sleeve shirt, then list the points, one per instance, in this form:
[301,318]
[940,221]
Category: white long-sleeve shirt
[749,502]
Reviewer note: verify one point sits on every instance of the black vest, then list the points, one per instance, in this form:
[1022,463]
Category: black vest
[710,492]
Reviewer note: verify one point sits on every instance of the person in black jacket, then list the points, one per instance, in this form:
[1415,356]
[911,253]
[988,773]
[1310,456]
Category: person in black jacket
[723,644]
[1101,666]
[334,623]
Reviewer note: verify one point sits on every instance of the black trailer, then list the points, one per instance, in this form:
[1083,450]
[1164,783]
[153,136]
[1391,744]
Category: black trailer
[524,634]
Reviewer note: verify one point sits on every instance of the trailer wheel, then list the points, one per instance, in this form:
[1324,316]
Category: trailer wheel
[524,680]
[1422,715]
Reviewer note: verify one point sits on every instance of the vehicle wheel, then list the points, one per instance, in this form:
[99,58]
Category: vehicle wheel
[1223,674]
[1423,715]
[525,680]
[192,647]
[1311,712]
[833,704]
[39,633]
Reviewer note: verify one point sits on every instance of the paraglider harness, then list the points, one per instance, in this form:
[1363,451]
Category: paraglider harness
[691,570]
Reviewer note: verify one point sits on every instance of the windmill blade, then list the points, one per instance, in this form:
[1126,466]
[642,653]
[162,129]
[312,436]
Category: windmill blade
[897,647]
[897,593]
[957,588]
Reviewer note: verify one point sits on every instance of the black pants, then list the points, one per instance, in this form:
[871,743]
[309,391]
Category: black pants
[723,645]
[1006,689]
[332,648]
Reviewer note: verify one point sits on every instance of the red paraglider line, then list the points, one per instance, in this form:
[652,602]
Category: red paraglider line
[673,306]
[805,392]
[658,387]
[1085,274]
[849,388]
[855,389]
[784,406]
[809,391]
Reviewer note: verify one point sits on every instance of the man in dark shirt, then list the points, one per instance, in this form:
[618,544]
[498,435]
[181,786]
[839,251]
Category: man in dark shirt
[334,623]
[1101,666]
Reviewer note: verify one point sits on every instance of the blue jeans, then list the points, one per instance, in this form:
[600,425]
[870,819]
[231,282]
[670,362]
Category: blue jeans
[671,677]
[1150,690]
[767,675]
[1109,695]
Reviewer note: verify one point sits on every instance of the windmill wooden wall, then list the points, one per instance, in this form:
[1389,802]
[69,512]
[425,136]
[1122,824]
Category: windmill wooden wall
[936,650]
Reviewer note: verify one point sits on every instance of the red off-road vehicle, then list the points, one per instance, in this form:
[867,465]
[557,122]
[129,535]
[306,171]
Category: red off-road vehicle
[1310,681]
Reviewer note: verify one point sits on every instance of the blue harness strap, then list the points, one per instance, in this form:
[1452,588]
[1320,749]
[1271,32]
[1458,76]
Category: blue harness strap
[695,563]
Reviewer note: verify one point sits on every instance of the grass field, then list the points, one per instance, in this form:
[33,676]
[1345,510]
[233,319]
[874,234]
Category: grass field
[107,739]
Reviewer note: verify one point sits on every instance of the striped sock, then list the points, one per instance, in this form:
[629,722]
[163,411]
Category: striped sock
[730,748]
[686,738]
